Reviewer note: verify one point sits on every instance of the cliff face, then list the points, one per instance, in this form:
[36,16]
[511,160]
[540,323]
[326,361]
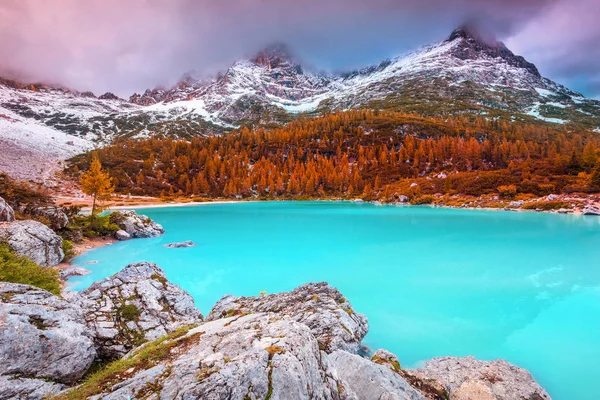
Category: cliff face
[298,345]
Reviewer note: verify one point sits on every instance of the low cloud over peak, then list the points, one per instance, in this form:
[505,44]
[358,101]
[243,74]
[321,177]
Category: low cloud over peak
[130,45]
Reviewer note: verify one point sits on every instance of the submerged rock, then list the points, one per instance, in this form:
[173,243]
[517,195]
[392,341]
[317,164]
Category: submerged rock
[137,226]
[133,306]
[34,240]
[73,271]
[322,308]
[178,245]
[42,336]
[469,378]
[7,214]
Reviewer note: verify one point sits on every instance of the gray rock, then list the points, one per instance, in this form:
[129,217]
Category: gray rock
[34,240]
[178,245]
[562,211]
[516,204]
[322,308]
[466,377]
[387,359]
[122,235]
[254,356]
[135,305]
[368,380]
[591,210]
[55,215]
[14,387]
[552,197]
[138,226]
[73,271]
[7,214]
[403,199]
[42,336]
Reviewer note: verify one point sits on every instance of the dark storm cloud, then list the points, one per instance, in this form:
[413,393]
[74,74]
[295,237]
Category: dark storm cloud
[130,45]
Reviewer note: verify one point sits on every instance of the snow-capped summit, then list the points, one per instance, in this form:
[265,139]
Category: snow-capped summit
[466,73]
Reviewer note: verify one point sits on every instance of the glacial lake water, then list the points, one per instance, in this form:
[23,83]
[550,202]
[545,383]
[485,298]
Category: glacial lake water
[433,282]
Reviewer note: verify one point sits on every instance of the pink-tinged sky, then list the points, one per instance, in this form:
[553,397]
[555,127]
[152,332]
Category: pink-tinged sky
[130,45]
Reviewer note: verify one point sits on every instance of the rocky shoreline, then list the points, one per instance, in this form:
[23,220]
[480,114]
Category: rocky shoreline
[297,345]
[306,343]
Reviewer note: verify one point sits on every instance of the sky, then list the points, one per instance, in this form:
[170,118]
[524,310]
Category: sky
[127,46]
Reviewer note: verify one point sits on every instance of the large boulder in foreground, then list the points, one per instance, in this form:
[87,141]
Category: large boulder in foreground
[41,336]
[136,225]
[257,356]
[7,214]
[33,240]
[469,378]
[326,312]
[133,306]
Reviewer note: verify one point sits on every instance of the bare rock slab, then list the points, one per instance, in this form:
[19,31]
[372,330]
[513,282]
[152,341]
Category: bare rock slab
[466,377]
[34,240]
[255,356]
[133,306]
[326,312]
[42,336]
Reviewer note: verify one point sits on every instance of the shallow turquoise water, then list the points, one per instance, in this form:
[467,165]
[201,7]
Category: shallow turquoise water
[433,282]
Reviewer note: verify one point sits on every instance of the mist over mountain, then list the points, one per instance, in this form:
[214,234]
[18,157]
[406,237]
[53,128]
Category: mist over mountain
[126,47]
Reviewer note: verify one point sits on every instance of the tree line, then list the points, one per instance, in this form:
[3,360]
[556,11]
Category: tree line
[358,153]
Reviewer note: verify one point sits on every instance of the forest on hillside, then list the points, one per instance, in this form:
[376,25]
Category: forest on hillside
[363,153]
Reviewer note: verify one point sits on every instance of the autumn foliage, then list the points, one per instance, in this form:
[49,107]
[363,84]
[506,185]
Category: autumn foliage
[360,153]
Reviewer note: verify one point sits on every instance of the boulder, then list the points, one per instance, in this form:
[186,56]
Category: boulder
[469,378]
[138,226]
[42,336]
[73,271]
[516,204]
[15,387]
[122,235]
[179,245]
[322,308]
[34,240]
[7,214]
[591,210]
[56,216]
[133,306]
[257,356]
[387,359]
[368,380]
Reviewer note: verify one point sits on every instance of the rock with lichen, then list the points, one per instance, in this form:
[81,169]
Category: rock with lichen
[33,240]
[322,308]
[469,378]
[42,337]
[133,306]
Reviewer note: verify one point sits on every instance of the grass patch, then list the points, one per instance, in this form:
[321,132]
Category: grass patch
[18,269]
[117,371]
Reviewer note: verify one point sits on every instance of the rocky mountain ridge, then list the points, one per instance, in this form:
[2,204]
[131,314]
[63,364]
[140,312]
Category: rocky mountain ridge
[463,74]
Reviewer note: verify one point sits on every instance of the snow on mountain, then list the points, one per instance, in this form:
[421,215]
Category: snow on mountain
[464,73]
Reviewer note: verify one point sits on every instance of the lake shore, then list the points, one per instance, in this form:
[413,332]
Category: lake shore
[81,248]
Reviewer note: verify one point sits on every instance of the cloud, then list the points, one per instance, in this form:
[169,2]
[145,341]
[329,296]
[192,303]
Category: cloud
[130,45]
[564,40]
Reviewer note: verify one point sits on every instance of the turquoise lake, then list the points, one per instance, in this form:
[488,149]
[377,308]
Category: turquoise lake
[433,282]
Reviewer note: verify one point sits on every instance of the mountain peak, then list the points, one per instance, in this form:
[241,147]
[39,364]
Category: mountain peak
[474,42]
[473,33]
[273,56]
